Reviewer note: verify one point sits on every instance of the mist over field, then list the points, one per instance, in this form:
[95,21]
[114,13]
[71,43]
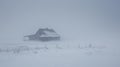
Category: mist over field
[78,22]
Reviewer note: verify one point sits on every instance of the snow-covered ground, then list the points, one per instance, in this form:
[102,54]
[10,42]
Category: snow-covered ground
[58,54]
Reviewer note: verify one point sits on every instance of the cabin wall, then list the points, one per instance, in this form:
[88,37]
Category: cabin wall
[44,38]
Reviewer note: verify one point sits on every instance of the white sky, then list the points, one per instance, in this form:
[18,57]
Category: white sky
[85,20]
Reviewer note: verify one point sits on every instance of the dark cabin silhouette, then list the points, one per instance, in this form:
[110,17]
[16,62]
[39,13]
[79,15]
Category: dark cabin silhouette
[43,34]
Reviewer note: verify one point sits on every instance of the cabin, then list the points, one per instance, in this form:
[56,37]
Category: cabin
[43,34]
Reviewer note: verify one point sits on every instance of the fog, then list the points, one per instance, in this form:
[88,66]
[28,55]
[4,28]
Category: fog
[84,20]
[94,22]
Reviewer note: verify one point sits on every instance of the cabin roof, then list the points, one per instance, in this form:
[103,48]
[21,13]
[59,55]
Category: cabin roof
[45,32]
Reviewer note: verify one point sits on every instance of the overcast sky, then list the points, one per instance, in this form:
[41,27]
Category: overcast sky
[84,20]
